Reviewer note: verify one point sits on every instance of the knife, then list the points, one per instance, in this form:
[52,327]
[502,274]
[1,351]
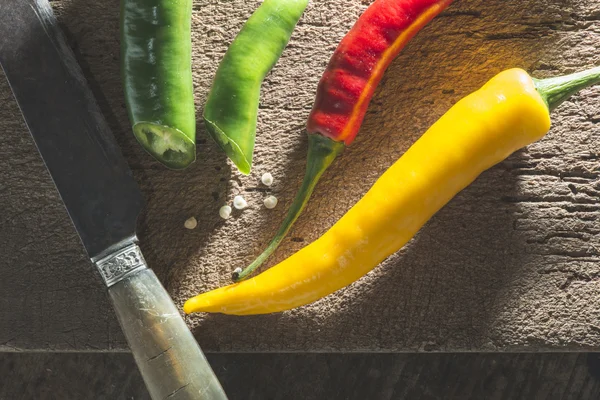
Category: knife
[101,197]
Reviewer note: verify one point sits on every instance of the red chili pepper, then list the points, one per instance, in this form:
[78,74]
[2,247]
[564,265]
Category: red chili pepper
[346,89]
[360,60]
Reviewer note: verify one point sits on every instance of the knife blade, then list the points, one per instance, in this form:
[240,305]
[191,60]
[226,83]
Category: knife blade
[101,196]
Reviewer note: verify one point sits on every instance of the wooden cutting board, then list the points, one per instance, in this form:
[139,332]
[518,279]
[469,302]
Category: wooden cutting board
[513,262]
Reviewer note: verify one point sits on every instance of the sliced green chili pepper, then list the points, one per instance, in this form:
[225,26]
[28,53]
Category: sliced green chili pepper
[157,74]
[231,110]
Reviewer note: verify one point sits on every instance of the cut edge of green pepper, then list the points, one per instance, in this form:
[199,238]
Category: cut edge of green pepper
[230,147]
[169,145]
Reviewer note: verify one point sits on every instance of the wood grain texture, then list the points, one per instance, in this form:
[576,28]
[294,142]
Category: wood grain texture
[317,376]
[511,263]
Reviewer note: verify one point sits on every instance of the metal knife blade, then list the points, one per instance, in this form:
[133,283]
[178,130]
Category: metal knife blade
[101,197]
[97,187]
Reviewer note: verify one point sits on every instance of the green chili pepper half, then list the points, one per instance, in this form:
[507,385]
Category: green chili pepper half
[157,75]
[231,110]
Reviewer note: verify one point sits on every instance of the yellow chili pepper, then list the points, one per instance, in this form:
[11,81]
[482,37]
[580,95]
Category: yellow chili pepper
[509,112]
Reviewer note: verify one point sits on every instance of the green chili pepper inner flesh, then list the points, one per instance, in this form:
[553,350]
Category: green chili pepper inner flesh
[168,144]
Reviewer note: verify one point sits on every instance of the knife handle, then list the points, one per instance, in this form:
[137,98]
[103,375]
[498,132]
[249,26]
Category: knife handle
[171,362]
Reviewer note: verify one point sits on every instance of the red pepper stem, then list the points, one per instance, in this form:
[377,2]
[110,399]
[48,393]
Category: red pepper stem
[557,90]
[321,153]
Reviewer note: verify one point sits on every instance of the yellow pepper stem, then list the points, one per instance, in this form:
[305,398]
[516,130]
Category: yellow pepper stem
[555,91]
[321,153]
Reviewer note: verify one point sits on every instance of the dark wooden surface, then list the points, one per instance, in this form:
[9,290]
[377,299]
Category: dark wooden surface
[548,376]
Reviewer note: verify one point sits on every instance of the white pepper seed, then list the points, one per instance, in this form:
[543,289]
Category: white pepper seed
[225,212]
[267,179]
[190,223]
[239,202]
[270,202]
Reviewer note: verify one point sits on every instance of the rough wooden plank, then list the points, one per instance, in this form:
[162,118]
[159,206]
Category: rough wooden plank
[511,263]
[317,376]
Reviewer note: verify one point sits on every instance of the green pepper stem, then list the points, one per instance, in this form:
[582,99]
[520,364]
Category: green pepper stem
[556,90]
[321,153]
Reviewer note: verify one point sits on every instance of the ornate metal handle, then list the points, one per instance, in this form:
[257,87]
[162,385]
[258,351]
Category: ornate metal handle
[118,265]
[167,354]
